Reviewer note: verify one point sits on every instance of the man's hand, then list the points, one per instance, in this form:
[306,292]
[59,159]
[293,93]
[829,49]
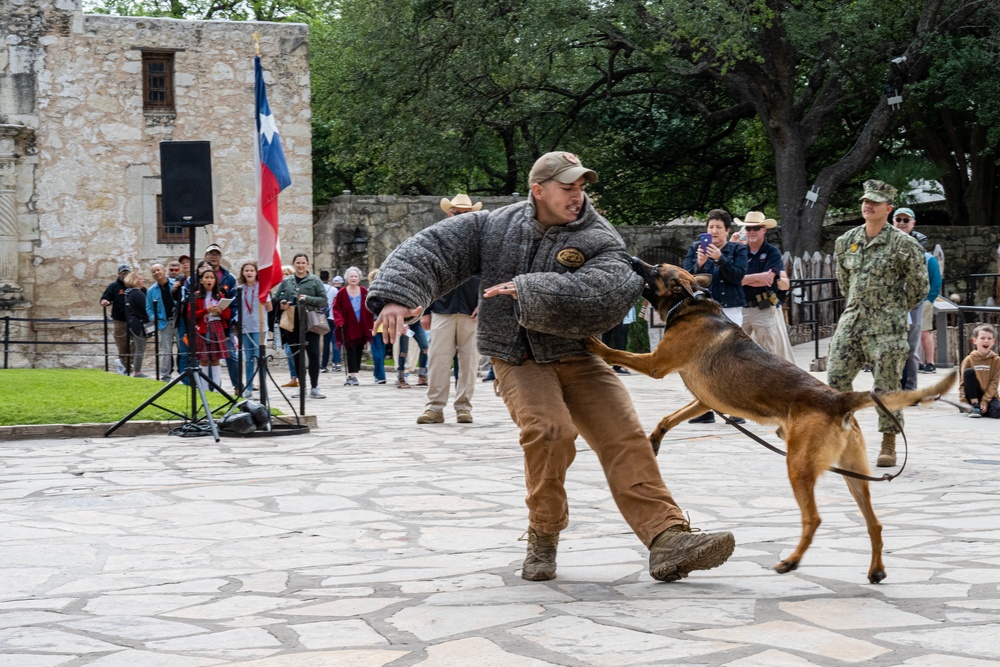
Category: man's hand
[393,320]
[762,279]
[105,303]
[508,288]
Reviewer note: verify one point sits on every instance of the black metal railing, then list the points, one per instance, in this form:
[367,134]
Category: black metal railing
[814,302]
[9,341]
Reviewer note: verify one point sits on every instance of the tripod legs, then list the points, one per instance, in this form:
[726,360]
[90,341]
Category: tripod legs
[198,382]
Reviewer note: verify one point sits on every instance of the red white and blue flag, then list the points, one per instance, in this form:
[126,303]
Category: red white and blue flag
[272,176]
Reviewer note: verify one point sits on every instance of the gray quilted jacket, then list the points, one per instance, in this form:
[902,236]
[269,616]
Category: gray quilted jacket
[563,296]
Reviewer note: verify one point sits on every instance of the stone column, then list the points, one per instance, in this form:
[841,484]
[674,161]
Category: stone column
[9,229]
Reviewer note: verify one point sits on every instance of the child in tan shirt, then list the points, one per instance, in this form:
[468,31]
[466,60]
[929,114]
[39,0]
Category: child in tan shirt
[981,374]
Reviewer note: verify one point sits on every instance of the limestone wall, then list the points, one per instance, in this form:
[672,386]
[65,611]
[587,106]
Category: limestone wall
[385,221]
[86,160]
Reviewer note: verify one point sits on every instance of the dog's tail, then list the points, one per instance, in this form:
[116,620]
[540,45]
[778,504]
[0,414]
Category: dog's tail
[896,400]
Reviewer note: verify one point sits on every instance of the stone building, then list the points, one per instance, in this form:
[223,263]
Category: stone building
[85,101]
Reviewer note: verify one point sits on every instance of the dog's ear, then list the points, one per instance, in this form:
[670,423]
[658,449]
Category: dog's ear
[703,279]
[687,288]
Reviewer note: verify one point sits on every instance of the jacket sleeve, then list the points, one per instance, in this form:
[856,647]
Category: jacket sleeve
[843,273]
[199,313]
[338,308]
[316,295]
[584,303]
[915,277]
[691,259]
[934,278]
[733,270]
[430,264]
[990,391]
[150,312]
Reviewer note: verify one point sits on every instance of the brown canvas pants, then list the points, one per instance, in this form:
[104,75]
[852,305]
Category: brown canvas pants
[552,404]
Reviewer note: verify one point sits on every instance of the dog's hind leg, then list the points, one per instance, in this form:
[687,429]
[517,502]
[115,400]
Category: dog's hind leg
[855,458]
[692,409]
[805,465]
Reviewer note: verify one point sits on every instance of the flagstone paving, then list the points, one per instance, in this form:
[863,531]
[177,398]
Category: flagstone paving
[373,541]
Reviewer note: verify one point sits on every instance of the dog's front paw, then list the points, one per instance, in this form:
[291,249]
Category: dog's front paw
[595,345]
[784,567]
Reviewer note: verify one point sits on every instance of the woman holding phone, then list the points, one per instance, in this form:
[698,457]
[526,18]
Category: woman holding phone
[726,262]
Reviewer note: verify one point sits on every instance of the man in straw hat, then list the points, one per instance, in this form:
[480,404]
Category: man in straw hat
[453,336]
[460,204]
[762,317]
[883,275]
[558,274]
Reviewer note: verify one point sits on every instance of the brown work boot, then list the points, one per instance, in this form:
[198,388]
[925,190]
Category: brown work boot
[464,416]
[887,456]
[676,552]
[431,417]
[540,563]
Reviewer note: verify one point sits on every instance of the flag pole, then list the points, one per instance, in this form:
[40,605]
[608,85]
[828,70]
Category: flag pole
[256,42]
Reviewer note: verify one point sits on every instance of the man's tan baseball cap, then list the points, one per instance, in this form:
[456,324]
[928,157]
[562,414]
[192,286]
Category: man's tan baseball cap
[560,166]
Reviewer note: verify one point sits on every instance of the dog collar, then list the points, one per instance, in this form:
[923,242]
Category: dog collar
[673,309]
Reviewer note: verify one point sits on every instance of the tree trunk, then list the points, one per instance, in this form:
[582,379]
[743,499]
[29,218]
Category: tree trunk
[801,226]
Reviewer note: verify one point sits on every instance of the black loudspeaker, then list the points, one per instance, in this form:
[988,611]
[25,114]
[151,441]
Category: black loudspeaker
[186,172]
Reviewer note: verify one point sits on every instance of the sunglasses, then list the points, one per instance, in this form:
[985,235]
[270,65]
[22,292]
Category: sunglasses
[903,220]
[753,229]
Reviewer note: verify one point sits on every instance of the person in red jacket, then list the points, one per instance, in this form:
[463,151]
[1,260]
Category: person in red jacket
[210,321]
[354,322]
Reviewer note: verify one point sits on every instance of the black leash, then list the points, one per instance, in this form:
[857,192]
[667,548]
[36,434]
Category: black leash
[840,471]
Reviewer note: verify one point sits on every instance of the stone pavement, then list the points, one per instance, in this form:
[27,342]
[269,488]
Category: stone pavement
[374,541]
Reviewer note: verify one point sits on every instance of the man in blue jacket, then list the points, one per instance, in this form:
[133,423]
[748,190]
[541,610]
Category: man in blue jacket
[160,308]
[558,274]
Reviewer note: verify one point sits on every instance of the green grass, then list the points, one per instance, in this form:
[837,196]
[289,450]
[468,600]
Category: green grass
[64,396]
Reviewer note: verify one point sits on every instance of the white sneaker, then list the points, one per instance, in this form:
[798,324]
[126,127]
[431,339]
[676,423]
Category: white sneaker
[120,367]
[316,393]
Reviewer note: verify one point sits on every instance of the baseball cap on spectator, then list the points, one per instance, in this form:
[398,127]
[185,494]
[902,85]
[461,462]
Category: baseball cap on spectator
[124,268]
[338,279]
[183,258]
[905,211]
[559,166]
[213,248]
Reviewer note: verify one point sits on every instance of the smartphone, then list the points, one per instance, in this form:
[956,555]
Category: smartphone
[704,240]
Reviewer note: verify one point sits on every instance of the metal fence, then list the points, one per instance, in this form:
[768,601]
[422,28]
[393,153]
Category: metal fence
[14,329]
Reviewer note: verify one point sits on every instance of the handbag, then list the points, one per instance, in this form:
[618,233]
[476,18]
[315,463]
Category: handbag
[288,319]
[316,319]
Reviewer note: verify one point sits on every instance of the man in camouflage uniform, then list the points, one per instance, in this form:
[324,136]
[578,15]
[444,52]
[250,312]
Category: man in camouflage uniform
[883,274]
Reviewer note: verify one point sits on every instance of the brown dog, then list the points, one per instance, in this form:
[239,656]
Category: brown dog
[728,372]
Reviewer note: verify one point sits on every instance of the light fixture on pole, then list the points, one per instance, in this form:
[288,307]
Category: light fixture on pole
[358,244]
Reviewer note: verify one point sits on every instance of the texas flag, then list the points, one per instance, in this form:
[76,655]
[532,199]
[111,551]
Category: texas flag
[272,177]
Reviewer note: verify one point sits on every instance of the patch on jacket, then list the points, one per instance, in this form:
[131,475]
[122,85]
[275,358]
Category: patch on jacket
[571,258]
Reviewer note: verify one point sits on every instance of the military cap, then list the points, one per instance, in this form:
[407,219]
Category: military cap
[878,191]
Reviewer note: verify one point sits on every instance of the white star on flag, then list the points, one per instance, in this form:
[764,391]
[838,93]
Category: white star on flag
[268,127]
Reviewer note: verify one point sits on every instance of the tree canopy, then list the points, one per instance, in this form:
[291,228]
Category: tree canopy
[680,106]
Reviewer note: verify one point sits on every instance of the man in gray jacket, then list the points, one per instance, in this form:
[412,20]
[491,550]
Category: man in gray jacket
[559,274]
